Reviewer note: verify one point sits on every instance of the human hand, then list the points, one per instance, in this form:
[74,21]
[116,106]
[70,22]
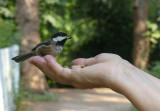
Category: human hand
[106,70]
[99,71]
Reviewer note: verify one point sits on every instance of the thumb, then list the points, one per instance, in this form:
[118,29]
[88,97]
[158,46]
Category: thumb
[97,59]
[83,61]
[52,64]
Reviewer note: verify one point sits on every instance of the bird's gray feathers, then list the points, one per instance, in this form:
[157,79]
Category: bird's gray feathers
[23,57]
[46,42]
[33,52]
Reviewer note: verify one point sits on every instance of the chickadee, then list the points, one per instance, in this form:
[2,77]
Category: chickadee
[52,46]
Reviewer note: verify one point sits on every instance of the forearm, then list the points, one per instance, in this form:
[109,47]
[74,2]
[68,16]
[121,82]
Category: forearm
[142,89]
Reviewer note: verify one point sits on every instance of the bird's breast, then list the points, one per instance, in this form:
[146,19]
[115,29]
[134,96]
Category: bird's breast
[49,50]
[57,50]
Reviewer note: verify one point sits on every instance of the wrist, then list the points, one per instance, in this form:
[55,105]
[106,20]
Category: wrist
[139,87]
[123,77]
[117,75]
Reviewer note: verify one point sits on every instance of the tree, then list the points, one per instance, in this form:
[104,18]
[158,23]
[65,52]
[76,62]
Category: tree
[141,46]
[28,21]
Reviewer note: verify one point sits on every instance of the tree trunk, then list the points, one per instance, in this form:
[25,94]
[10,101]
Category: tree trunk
[141,46]
[28,21]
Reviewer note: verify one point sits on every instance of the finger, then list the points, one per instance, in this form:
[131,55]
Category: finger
[83,61]
[97,59]
[63,75]
[52,69]
[56,67]
[79,61]
[37,61]
[40,63]
[52,64]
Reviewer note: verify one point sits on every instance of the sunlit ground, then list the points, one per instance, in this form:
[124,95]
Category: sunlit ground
[83,100]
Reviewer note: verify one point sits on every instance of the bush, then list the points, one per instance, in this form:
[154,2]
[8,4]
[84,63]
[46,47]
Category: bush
[155,69]
[96,26]
[8,33]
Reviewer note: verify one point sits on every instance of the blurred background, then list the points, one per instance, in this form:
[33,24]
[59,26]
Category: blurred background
[129,28]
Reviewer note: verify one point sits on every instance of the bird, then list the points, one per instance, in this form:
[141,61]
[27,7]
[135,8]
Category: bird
[52,46]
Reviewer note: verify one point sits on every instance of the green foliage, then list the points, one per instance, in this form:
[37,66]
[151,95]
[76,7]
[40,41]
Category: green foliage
[8,33]
[7,9]
[26,94]
[50,82]
[155,69]
[8,30]
[154,23]
[45,96]
[61,16]
[96,26]
[113,31]
[153,32]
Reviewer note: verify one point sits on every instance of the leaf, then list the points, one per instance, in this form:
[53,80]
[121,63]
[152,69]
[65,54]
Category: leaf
[153,40]
[156,35]
[6,12]
[51,1]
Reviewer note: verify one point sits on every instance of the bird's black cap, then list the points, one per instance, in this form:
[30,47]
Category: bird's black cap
[59,34]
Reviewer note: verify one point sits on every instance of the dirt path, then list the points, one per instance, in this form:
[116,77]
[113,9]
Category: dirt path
[84,100]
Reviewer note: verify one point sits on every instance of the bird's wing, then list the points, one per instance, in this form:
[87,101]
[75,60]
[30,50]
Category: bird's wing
[46,42]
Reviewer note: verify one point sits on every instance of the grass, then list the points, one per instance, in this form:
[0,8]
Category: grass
[43,96]
[33,96]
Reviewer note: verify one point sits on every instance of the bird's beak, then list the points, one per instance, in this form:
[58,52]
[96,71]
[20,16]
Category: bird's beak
[69,37]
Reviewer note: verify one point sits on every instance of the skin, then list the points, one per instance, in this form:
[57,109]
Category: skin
[106,70]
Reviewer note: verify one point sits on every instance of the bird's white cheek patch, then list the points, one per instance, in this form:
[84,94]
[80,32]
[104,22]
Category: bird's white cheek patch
[59,38]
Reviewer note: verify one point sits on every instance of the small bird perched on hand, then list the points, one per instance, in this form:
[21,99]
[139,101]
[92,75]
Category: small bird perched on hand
[52,46]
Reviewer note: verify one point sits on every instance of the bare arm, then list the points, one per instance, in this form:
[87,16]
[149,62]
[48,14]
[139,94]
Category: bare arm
[142,89]
[106,70]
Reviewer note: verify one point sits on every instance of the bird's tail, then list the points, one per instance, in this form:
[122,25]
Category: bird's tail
[23,57]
